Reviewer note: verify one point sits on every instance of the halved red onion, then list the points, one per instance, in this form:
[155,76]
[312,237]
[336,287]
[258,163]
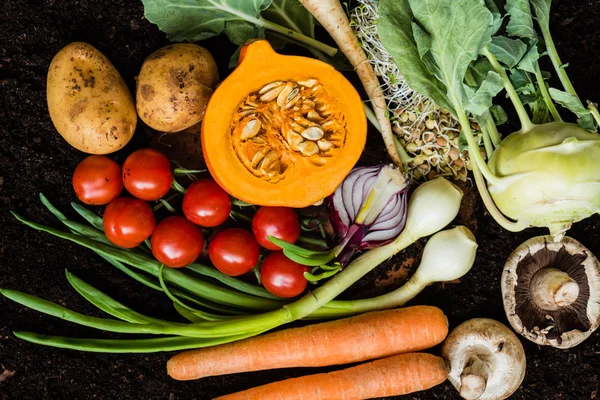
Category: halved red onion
[368,209]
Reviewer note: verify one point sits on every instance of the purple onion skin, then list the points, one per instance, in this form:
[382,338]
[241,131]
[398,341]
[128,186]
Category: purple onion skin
[351,237]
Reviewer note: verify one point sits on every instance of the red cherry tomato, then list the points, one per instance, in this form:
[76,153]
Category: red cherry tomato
[176,242]
[282,276]
[280,222]
[206,204]
[97,180]
[128,222]
[147,174]
[234,251]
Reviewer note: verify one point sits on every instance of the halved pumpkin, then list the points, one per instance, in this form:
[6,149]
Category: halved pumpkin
[282,130]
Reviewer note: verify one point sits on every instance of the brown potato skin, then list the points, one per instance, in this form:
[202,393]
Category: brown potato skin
[174,86]
[89,103]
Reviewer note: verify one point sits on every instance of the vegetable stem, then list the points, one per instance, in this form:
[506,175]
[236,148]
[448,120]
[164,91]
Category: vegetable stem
[594,112]
[344,279]
[557,63]
[474,154]
[177,187]
[526,123]
[491,206]
[330,51]
[546,94]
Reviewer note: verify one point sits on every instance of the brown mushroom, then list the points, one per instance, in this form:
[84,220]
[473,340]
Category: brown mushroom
[487,360]
[551,291]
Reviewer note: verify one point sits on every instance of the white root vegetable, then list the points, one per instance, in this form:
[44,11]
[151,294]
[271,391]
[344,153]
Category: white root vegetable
[332,17]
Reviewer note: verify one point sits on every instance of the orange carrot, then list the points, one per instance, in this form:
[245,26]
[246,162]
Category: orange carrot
[392,376]
[363,337]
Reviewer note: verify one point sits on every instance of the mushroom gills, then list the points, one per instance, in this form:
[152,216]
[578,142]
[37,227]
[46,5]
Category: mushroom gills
[551,291]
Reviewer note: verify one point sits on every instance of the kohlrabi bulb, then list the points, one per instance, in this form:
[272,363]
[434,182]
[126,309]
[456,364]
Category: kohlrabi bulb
[550,176]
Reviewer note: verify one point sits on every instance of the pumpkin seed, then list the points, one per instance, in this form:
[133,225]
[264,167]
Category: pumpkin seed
[269,86]
[270,162]
[258,156]
[309,104]
[292,98]
[330,125]
[302,121]
[318,161]
[283,95]
[293,139]
[313,116]
[308,148]
[271,94]
[324,145]
[296,127]
[251,129]
[313,133]
[308,82]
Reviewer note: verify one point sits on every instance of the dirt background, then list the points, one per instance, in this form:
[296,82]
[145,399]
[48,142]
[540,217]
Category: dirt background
[34,159]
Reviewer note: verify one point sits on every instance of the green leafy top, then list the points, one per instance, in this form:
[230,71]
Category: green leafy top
[240,21]
[193,20]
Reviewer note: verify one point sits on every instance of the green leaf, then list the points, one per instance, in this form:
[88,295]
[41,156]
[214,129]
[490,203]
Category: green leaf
[508,51]
[459,30]
[479,70]
[323,275]
[542,12]
[498,114]
[422,39]
[495,10]
[291,14]
[312,261]
[395,32]
[569,102]
[193,20]
[529,60]
[292,248]
[585,119]
[521,23]
[481,101]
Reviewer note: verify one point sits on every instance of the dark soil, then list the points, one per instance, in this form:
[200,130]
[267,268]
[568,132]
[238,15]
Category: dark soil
[34,158]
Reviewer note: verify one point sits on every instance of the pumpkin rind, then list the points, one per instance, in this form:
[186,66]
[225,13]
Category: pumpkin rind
[303,185]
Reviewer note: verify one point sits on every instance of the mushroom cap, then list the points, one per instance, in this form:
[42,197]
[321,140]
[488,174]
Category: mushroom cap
[496,345]
[568,325]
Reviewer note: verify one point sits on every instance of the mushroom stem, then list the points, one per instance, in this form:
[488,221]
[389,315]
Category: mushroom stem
[473,379]
[552,289]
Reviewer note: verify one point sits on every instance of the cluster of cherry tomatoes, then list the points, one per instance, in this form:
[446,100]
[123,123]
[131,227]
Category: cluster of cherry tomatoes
[177,241]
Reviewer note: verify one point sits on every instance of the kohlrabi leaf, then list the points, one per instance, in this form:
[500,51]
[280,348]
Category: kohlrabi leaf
[520,23]
[479,70]
[395,32]
[422,39]
[458,31]
[498,114]
[508,51]
[542,12]
[569,102]
[291,14]
[573,104]
[530,95]
[497,17]
[481,100]
[193,20]
[529,60]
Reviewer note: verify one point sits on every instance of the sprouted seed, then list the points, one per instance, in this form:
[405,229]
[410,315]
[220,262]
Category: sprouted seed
[428,133]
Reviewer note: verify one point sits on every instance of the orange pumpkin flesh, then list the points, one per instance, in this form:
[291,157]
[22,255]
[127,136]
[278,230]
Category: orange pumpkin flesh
[303,182]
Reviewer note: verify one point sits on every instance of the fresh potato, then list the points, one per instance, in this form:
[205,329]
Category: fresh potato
[88,101]
[174,86]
